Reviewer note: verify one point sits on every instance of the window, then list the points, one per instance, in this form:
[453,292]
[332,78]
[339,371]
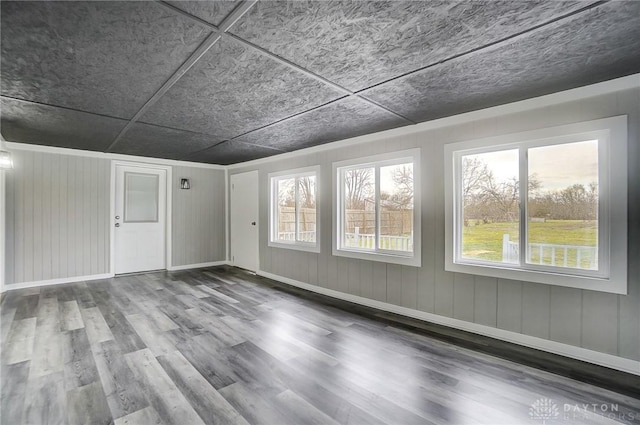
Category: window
[377,213]
[537,206]
[294,218]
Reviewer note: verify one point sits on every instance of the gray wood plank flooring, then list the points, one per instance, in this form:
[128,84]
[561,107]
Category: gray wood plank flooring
[222,346]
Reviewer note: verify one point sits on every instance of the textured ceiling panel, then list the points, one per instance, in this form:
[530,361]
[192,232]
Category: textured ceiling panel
[232,152]
[601,44]
[211,11]
[343,119]
[161,142]
[233,90]
[102,57]
[27,122]
[358,44]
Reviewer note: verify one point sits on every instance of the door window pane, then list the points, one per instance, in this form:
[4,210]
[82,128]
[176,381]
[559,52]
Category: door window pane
[490,206]
[306,209]
[359,208]
[141,198]
[563,205]
[396,208]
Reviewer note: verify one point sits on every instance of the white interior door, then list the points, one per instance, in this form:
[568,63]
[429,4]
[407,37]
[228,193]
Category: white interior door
[140,219]
[244,220]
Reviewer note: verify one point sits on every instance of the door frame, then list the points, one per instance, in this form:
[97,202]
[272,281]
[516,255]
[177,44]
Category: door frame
[112,210]
[231,261]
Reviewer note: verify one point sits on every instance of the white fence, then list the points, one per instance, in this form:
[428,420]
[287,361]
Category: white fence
[308,236]
[576,256]
[357,240]
[365,240]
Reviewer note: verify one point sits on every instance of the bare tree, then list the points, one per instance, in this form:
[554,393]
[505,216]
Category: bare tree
[307,191]
[403,197]
[286,193]
[475,177]
[359,187]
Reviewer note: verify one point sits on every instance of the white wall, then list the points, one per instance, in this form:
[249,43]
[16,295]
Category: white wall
[596,321]
[57,216]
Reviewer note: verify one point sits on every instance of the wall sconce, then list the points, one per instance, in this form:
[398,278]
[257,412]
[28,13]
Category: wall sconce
[6,162]
[184,184]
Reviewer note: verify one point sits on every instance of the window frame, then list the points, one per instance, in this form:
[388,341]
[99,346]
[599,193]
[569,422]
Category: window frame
[295,174]
[381,255]
[611,275]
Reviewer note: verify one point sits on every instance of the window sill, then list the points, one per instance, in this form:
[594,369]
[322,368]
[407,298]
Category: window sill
[616,284]
[414,260]
[295,246]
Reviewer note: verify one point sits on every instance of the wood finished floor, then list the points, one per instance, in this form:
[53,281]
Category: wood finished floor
[221,346]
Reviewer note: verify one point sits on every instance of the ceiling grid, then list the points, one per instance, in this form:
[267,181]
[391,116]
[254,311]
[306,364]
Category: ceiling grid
[245,80]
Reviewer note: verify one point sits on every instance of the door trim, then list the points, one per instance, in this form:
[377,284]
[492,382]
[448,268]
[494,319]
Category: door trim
[112,209]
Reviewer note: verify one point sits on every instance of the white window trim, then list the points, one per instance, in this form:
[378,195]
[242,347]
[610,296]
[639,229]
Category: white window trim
[414,259]
[612,219]
[273,205]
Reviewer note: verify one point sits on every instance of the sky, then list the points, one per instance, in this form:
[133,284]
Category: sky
[556,167]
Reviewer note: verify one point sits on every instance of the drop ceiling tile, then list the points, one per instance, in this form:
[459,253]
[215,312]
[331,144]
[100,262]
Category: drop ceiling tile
[599,45]
[161,142]
[232,152]
[359,44]
[232,90]
[213,12]
[27,122]
[102,57]
[349,117]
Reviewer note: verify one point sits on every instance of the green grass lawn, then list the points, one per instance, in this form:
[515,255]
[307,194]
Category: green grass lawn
[484,241]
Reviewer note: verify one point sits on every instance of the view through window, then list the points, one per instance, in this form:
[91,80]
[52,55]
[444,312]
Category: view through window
[561,226]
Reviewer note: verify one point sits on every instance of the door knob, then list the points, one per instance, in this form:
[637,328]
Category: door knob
[117,224]
[253,223]
[117,217]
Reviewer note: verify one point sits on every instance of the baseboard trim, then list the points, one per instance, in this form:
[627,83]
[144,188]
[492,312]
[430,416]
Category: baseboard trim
[198,266]
[578,353]
[60,281]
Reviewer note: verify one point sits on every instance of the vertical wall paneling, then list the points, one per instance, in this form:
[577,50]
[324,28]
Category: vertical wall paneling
[78,216]
[41,189]
[629,326]
[105,221]
[343,275]
[565,315]
[198,217]
[312,262]
[9,217]
[332,272]
[65,213]
[410,287]
[629,315]
[54,228]
[354,276]
[463,296]
[366,279]
[3,231]
[509,305]
[426,274]
[28,257]
[485,307]
[380,281]
[394,284]
[54,217]
[444,294]
[600,322]
[535,309]
[87,214]
[323,269]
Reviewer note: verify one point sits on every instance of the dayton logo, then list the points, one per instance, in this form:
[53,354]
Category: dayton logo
[544,409]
